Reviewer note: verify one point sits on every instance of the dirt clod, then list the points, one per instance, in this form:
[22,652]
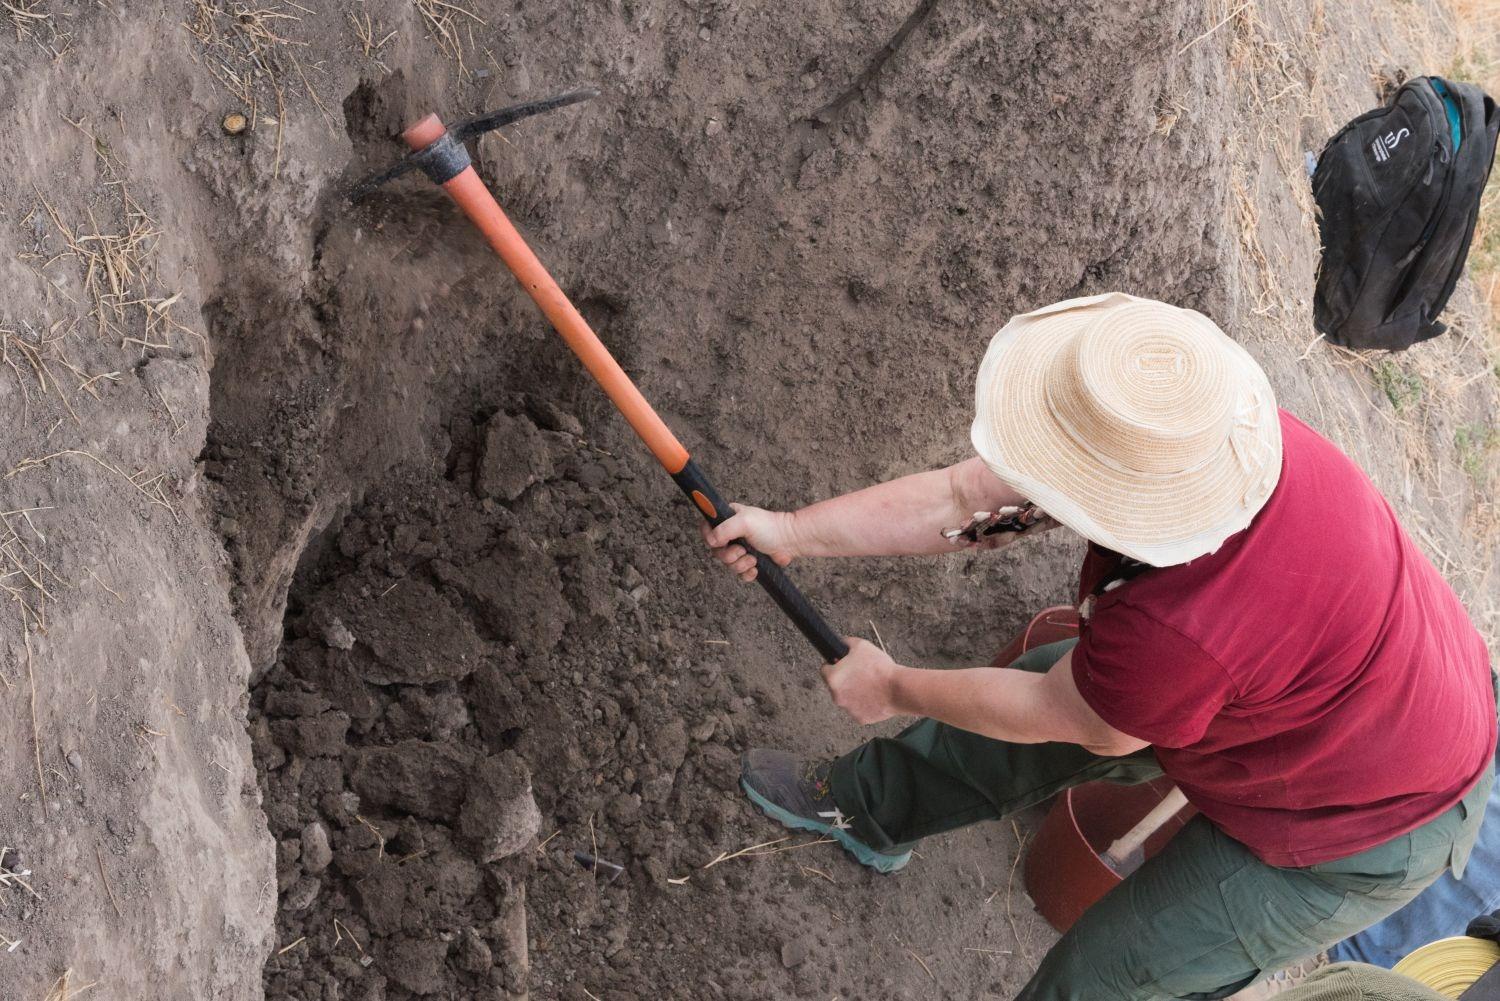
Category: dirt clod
[414,634]
[418,777]
[417,964]
[514,455]
[499,816]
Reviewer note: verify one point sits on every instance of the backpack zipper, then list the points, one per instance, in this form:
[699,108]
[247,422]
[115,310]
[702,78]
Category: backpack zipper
[1417,266]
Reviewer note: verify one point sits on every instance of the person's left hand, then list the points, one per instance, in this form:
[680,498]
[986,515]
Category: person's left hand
[862,684]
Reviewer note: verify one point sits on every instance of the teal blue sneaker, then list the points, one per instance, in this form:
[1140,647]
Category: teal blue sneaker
[799,796]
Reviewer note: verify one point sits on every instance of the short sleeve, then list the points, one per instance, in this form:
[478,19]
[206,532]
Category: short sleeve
[1146,679]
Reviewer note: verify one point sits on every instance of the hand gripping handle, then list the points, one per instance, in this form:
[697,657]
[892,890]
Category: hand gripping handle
[770,576]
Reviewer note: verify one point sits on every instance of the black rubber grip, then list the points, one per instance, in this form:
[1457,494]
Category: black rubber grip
[829,644]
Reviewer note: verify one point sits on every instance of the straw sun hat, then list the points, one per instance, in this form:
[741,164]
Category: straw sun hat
[1139,425]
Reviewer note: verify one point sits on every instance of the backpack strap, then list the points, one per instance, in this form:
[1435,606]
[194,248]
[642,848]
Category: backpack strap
[1127,571]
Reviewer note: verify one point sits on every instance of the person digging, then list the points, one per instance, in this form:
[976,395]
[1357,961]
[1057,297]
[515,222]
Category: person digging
[1256,626]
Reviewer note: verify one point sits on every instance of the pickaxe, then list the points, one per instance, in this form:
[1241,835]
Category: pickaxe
[439,152]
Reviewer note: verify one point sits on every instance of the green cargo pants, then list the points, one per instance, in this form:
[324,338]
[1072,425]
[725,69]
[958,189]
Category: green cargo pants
[1203,919]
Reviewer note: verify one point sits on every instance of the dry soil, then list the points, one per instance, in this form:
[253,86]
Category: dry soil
[345,610]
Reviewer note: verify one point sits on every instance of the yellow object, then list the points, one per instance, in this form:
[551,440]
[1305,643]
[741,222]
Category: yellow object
[1450,965]
[234,123]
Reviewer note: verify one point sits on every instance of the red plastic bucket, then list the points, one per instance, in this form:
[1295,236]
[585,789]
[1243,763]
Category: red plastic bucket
[1065,872]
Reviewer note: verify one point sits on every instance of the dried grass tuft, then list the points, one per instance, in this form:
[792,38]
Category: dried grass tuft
[31,356]
[777,846]
[33,21]
[114,262]
[245,45]
[249,49]
[26,578]
[369,37]
[63,990]
[10,878]
[451,26]
[148,485]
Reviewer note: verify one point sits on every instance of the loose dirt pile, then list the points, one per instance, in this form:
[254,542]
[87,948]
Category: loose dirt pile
[474,621]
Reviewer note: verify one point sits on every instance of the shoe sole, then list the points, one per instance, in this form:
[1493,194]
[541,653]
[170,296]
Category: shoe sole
[863,853]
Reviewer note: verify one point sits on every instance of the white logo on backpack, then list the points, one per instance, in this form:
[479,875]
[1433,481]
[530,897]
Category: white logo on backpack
[1383,145]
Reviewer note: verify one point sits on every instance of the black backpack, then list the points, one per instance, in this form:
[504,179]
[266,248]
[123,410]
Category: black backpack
[1398,193]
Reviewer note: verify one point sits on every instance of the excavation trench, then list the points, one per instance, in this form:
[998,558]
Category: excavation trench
[479,630]
[456,625]
[482,635]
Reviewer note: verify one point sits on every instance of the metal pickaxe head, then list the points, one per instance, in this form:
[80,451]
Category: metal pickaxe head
[439,152]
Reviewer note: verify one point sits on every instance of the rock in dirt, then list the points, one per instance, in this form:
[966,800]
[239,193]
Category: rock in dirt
[302,894]
[499,816]
[548,416]
[514,456]
[508,932]
[316,853]
[416,635]
[412,776]
[472,954]
[793,952]
[337,635]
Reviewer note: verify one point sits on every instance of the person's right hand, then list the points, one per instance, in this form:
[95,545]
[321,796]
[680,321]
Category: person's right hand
[768,531]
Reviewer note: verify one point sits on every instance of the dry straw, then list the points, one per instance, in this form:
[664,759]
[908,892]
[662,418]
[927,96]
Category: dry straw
[64,990]
[451,26]
[34,21]
[251,50]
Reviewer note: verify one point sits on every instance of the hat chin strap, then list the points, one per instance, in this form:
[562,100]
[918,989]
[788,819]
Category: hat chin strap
[1249,449]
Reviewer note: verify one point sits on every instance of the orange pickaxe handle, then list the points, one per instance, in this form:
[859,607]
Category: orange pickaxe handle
[470,194]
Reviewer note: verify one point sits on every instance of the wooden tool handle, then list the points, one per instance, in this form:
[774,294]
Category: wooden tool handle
[1127,844]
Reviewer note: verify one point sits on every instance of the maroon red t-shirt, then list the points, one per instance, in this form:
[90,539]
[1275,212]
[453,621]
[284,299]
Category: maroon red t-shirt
[1314,687]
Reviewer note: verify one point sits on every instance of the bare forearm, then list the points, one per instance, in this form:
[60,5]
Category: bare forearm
[902,517]
[995,702]
[1021,707]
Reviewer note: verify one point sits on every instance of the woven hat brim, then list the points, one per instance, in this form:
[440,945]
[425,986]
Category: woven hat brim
[1161,520]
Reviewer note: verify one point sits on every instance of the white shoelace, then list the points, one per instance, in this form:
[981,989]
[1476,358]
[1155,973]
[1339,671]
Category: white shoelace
[835,818]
